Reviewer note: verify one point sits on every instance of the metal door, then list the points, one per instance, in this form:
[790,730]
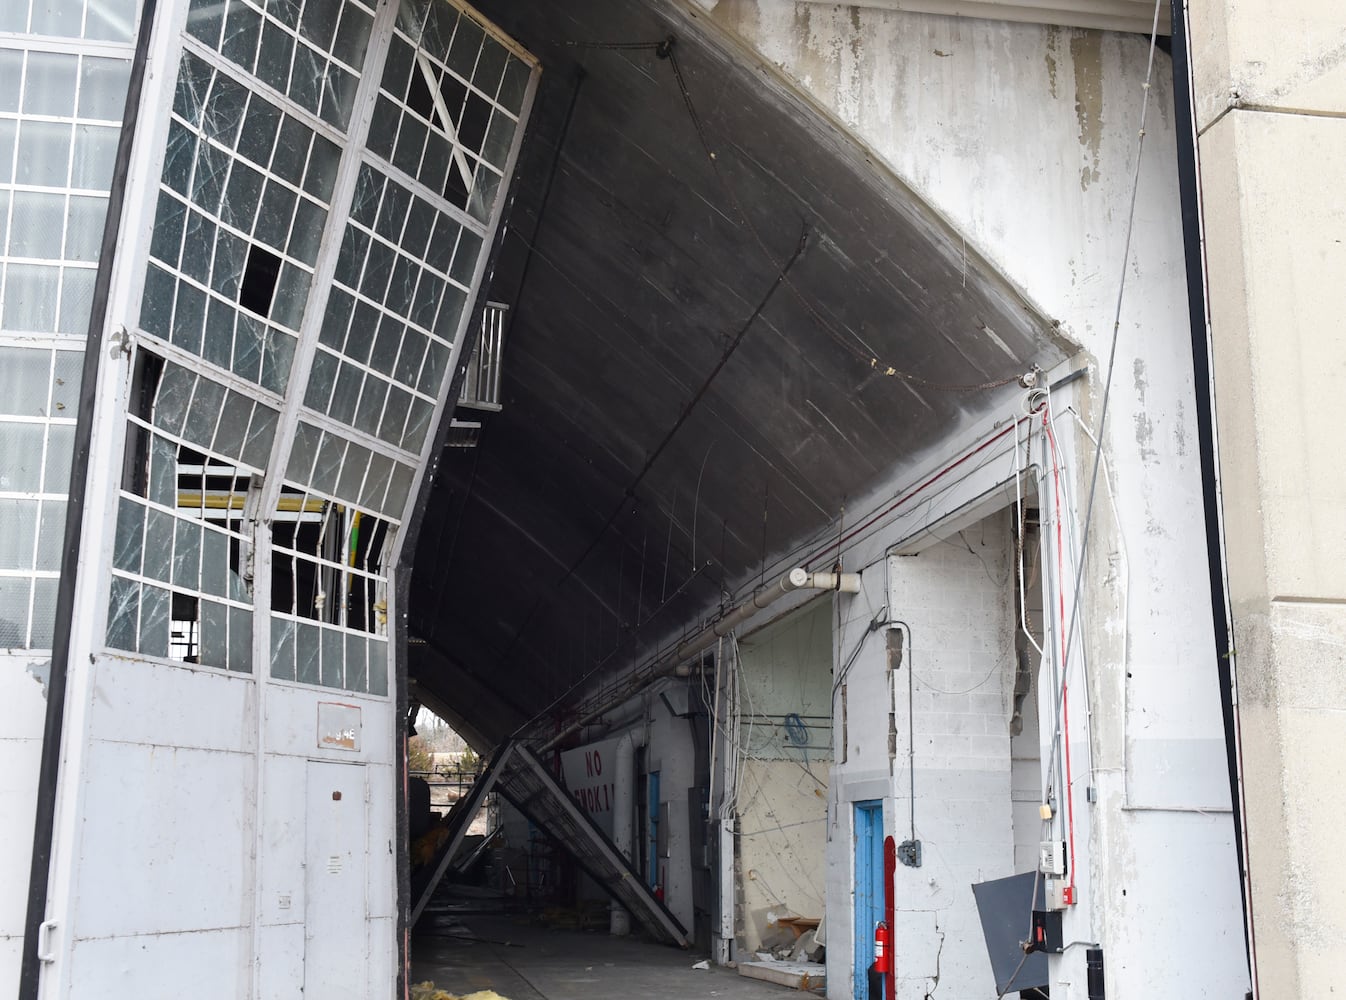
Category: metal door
[336,946]
[868,888]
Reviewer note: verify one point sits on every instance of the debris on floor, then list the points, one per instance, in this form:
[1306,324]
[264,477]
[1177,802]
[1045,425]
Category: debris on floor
[703,965]
[428,991]
[800,975]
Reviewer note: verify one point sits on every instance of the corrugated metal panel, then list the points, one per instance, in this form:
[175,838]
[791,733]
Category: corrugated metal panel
[1110,15]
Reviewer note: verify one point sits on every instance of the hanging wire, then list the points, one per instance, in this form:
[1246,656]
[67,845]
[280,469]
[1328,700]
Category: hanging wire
[843,335]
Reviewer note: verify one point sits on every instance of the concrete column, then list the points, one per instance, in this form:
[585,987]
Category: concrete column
[1270,87]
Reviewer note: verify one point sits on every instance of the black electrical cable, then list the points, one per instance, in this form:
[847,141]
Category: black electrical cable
[1189,201]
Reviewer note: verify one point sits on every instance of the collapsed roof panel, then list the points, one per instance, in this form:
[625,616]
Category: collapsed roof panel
[695,371]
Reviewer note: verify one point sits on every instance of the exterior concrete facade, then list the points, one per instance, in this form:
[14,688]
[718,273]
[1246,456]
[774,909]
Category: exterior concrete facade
[1270,101]
[1024,138]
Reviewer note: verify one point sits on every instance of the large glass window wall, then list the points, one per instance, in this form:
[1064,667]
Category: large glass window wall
[64,70]
[306,286]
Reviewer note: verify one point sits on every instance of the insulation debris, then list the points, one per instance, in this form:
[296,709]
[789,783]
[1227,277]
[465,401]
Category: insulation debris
[429,991]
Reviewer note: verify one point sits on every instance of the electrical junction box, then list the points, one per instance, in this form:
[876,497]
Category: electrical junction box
[1052,857]
[1058,894]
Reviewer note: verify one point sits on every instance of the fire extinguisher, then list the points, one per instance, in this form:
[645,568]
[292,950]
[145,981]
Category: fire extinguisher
[883,948]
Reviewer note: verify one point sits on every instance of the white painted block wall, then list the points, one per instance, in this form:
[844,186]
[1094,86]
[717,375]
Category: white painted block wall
[960,659]
[1024,137]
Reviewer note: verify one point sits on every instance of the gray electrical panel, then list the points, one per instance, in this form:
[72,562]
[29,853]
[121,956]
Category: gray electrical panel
[1006,907]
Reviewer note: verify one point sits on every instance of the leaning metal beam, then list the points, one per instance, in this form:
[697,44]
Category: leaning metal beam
[555,811]
[466,811]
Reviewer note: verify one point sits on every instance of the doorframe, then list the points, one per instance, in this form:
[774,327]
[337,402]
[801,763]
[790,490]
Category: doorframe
[868,901]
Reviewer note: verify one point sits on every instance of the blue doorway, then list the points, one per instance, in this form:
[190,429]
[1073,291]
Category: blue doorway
[868,888]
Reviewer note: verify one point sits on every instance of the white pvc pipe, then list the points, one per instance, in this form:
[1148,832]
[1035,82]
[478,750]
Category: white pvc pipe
[623,820]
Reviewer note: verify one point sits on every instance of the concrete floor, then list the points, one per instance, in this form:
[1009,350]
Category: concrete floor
[543,964]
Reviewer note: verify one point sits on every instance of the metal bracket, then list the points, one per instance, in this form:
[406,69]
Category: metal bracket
[119,344]
[909,853]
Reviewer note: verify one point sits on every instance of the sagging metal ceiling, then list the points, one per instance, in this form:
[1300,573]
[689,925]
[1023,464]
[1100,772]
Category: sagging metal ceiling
[694,366]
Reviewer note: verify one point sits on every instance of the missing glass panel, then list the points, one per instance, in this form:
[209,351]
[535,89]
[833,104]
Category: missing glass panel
[260,274]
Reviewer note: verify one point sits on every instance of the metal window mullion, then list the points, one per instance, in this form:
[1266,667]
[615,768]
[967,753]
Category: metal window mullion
[363,438]
[424,465]
[383,376]
[434,198]
[256,85]
[66,46]
[343,192]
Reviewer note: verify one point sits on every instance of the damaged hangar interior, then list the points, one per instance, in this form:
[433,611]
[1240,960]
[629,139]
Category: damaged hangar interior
[712,447]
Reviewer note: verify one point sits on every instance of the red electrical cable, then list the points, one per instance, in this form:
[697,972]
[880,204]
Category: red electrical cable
[1065,687]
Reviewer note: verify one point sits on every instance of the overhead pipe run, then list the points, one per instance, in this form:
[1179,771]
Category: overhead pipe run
[676,663]
[795,580]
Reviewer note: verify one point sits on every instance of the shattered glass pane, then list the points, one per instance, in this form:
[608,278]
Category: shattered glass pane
[158,543]
[399,487]
[193,85]
[187,555]
[333,648]
[307,645]
[204,412]
[282,649]
[214,634]
[154,621]
[357,670]
[233,428]
[277,357]
[123,614]
[331,453]
[376,481]
[170,220]
[352,475]
[242,31]
[206,20]
[240,640]
[378,667]
[215,563]
[352,36]
[303,453]
[163,473]
[173,397]
[223,114]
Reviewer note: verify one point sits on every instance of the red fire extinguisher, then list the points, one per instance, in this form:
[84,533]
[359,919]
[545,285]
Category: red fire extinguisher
[883,948]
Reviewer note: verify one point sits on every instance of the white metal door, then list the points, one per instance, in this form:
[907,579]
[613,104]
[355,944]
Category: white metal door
[335,942]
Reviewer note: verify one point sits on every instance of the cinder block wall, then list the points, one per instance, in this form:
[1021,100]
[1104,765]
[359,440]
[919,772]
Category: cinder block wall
[956,596]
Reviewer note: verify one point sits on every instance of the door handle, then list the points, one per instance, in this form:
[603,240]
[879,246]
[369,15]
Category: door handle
[44,940]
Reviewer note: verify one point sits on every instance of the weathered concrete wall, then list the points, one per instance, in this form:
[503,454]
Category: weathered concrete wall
[1025,137]
[956,597]
[1270,90]
[781,799]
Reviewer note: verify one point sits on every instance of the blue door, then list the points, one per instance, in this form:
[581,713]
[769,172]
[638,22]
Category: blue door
[868,888]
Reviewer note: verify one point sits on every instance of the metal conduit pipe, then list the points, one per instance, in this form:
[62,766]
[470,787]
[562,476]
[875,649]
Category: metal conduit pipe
[674,663]
[796,579]
[623,822]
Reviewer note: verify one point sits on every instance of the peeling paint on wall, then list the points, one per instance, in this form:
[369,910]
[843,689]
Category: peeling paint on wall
[1087,56]
[1053,46]
[40,671]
